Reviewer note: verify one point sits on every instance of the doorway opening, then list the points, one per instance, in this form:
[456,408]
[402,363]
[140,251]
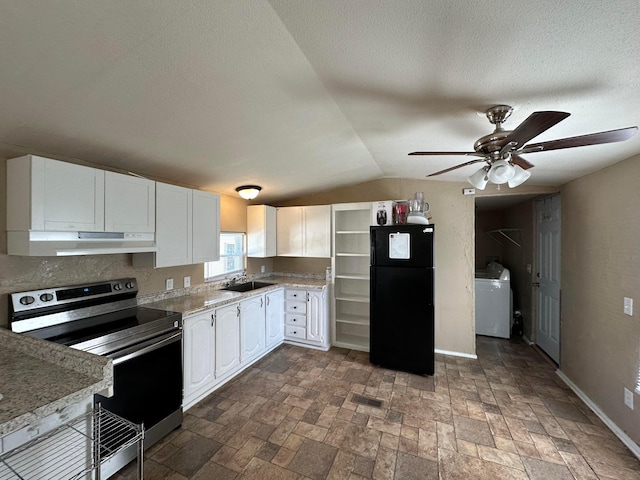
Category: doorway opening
[506,233]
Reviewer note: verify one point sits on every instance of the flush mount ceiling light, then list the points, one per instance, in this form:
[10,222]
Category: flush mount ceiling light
[248,192]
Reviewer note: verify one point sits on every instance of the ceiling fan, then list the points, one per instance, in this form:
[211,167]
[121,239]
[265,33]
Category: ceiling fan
[501,150]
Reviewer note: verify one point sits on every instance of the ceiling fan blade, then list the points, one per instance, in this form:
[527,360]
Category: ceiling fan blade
[534,125]
[456,167]
[610,136]
[449,153]
[521,162]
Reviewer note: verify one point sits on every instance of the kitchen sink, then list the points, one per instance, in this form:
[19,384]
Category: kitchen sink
[247,287]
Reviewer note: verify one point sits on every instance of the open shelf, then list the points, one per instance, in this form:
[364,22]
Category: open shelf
[354,319]
[354,276]
[353,298]
[350,313]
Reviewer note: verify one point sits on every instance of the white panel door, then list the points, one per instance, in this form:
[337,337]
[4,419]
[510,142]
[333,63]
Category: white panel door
[548,302]
[316,316]
[206,227]
[199,354]
[289,232]
[252,327]
[227,332]
[317,231]
[274,313]
[173,225]
[67,197]
[129,203]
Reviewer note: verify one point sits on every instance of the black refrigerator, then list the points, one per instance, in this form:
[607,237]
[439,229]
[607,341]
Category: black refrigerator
[401,312]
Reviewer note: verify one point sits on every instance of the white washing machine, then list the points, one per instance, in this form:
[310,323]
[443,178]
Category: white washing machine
[493,301]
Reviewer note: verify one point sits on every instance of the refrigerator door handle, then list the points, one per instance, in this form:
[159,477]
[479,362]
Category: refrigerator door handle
[372,282]
[372,260]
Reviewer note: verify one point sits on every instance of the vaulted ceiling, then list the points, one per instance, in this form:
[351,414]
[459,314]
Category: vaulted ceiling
[303,95]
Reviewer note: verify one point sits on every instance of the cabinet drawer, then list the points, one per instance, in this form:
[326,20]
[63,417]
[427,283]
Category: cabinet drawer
[296,307]
[295,332]
[300,295]
[296,319]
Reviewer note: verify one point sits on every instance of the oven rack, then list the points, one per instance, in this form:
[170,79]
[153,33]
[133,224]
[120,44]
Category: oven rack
[74,450]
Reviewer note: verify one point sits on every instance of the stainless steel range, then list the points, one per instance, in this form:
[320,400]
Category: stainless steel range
[144,343]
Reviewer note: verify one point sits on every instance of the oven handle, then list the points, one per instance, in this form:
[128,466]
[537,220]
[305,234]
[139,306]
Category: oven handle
[146,347]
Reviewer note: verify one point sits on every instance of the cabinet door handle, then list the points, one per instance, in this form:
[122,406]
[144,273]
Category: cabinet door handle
[268,298]
[261,302]
[213,318]
[238,309]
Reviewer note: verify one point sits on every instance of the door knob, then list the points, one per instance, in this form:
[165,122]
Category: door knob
[536,284]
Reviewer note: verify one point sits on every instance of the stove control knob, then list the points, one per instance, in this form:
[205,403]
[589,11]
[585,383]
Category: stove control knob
[129,285]
[117,286]
[46,297]
[27,300]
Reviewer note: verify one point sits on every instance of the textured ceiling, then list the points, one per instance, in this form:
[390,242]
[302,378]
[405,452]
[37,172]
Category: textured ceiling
[304,95]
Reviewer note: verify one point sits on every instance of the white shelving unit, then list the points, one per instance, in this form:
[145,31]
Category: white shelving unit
[350,271]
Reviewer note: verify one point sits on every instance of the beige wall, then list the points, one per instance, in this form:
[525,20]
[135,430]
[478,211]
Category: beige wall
[486,246]
[600,346]
[453,215]
[26,273]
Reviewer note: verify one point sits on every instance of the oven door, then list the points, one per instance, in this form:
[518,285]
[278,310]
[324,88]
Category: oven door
[147,384]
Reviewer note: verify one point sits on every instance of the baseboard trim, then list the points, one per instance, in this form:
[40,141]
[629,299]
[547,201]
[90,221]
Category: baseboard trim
[456,354]
[624,438]
[526,340]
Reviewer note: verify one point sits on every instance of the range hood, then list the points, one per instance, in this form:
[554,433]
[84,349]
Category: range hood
[57,244]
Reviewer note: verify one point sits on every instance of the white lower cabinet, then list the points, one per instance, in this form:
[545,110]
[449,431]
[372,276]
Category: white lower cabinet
[198,338]
[227,344]
[221,342]
[274,313]
[252,327]
[306,318]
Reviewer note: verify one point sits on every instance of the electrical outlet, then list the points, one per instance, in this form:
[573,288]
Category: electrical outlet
[468,191]
[628,398]
[628,306]
[169,284]
[187,282]
[263,269]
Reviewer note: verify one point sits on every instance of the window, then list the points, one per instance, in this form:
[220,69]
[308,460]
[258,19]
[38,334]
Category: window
[232,258]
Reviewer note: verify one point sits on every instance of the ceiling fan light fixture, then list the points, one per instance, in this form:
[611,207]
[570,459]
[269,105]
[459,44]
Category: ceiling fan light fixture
[479,179]
[501,171]
[521,175]
[248,192]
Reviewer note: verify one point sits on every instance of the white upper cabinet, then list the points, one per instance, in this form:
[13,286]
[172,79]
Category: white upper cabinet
[304,231]
[206,227]
[261,231]
[187,228]
[129,203]
[173,225]
[48,195]
[317,231]
[289,228]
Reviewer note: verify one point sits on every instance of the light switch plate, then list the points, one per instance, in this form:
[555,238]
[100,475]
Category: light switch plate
[169,285]
[187,282]
[628,398]
[468,191]
[628,306]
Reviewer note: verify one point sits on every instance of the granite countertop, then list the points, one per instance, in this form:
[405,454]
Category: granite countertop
[200,300]
[38,378]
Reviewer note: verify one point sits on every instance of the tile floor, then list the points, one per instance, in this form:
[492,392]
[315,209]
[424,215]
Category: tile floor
[295,415]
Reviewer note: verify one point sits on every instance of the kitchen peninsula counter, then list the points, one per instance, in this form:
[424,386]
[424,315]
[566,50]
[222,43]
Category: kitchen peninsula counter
[38,378]
[205,297]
